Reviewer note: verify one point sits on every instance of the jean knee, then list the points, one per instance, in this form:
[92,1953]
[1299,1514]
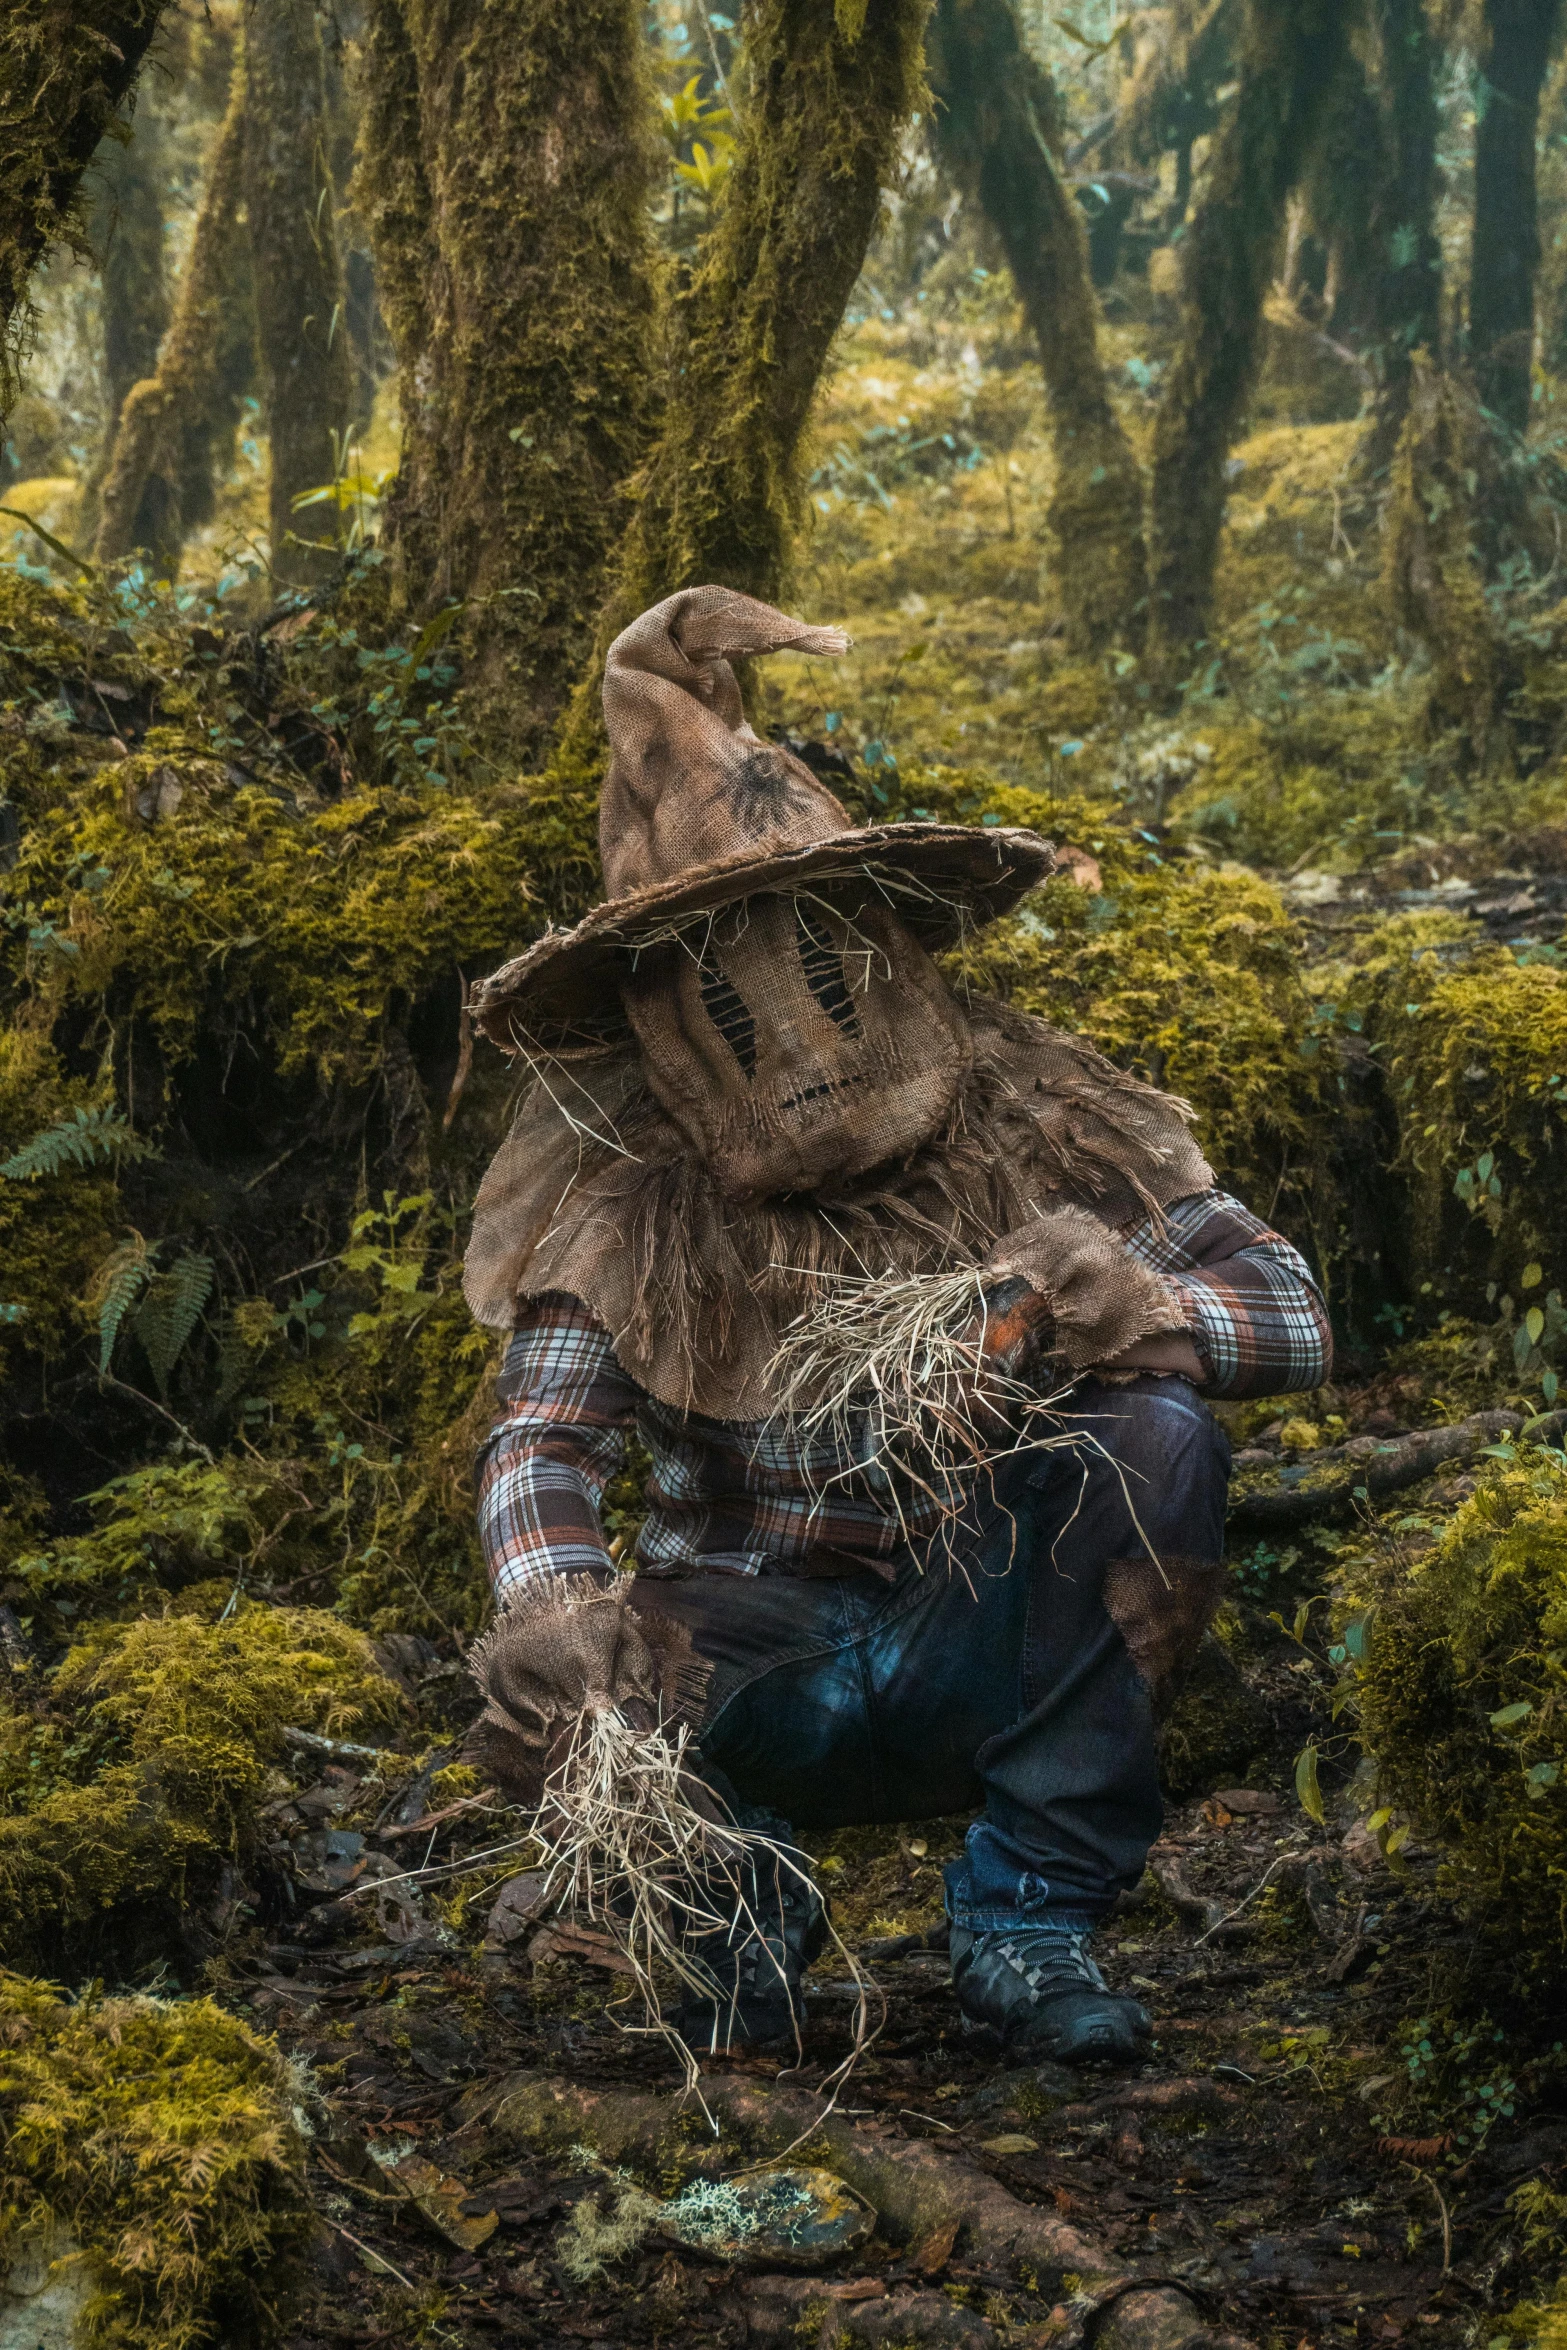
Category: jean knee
[1159,1442]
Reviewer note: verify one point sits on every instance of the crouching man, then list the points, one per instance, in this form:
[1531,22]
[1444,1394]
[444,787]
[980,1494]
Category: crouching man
[753,1090]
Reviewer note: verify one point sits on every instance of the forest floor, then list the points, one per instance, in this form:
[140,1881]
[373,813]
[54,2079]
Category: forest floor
[1308,2151]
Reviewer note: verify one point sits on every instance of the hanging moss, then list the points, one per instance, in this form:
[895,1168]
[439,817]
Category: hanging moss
[177,425]
[1462,1704]
[64,75]
[153,2144]
[1291,51]
[504,172]
[143,1765]
[998,130]
[306,363]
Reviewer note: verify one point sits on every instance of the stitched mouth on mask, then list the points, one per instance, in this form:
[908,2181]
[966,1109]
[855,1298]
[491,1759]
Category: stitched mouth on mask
[818,1093]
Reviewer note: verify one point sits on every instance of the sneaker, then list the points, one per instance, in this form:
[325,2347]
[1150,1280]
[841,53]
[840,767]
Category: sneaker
[751,1975]
[1037,1988]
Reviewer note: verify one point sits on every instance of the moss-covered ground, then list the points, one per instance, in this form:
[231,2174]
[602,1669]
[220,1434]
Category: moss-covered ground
[250,856]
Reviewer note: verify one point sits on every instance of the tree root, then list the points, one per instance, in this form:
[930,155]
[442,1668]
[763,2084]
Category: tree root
[915,2188]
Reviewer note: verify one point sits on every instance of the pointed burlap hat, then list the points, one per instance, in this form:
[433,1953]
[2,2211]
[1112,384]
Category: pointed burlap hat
[697,812]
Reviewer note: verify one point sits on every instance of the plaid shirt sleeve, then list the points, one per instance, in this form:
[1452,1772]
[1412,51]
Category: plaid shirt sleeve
[1255,1314]
[566,1406]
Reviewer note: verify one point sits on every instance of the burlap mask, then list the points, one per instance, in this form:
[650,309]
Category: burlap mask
[792,1041]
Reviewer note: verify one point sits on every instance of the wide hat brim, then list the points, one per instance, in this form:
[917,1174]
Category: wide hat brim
[941,880]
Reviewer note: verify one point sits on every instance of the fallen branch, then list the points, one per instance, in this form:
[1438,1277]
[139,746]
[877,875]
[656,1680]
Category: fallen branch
[1204,1911]
[1327,1483]
[331,1749]
[435,1819]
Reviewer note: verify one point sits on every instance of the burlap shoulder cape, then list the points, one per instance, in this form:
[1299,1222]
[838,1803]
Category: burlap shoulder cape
[1049,1149]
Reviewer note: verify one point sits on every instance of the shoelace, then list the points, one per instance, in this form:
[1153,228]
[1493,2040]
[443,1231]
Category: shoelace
[1057,1960]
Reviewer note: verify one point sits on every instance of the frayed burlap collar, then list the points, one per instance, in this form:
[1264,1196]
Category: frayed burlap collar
[593,1193]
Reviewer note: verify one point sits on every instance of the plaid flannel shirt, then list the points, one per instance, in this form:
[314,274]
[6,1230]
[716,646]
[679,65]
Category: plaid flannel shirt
[754,1497]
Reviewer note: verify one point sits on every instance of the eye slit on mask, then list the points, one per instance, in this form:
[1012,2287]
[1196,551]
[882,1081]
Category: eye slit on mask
[824,972]
[724,1007]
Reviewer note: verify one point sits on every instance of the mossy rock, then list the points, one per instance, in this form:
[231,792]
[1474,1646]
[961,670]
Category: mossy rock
[1464,1705]
[1216,1729]
[143,1765]
[159,2139]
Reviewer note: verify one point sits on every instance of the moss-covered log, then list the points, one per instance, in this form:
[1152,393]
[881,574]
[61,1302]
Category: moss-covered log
[1407,311]
[1291,53]
[1505,253]
[998,128]
[505,165]
[306,362]
[175,424]
[66,69]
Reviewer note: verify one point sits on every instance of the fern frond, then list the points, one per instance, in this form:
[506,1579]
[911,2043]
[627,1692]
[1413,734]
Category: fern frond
[115,1288]
[75,1141]
[170,1311]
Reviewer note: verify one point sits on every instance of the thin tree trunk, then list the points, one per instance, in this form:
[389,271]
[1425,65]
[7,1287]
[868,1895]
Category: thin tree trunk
[65,72]
[1506,248]
[1551,295]
[131,168]
[505,164]
[175,425]
[306,363]
[1290,54]
[1408,308]
[998,130]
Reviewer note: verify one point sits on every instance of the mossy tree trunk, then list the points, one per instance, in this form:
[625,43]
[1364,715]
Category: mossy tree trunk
[131,169]
[66,69]
[1407,316]
[506,160]
[1341,189]
[176,427]
[1551,196]
[1505,254]
[1291,54]
[302,338]
[824,91]
[1431,565]
[998,129]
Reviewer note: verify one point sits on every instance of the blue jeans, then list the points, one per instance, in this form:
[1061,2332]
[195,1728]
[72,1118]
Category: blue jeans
[994,1671]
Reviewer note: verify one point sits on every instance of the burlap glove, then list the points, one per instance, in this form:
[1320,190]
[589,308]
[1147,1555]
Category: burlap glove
[569,1646]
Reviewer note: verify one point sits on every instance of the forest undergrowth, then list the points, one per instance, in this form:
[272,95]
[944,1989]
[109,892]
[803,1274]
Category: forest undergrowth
[253,849]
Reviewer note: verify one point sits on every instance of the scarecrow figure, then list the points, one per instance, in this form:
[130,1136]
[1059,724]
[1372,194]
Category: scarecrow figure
[755,1096]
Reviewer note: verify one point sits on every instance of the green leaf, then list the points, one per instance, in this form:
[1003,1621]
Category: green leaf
[170,1311]
[1307,1786]
[117,1285]
[1534,1323]
[1517,1712]
[76,1141]
[1543,1775]
[1531,1277]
